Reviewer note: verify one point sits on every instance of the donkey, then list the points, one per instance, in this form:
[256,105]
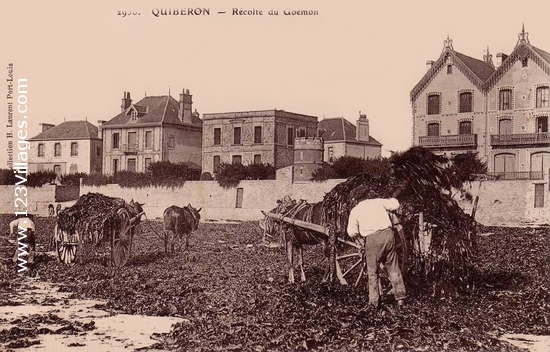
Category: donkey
[180,221]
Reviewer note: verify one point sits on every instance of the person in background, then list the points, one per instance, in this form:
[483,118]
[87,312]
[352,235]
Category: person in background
[370,218]
[27,223]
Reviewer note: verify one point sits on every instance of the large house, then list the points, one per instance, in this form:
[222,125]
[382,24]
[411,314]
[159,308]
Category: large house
[497,110]
[70,147]
[342,138]
[156,128]
[247,137]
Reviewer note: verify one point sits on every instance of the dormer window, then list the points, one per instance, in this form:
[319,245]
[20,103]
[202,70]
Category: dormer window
[133,115]
[524,62]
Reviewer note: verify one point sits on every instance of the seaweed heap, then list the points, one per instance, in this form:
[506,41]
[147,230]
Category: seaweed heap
[446,268]
[90,215]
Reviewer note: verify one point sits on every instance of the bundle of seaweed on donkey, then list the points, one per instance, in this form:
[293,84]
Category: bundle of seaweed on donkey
[427,188]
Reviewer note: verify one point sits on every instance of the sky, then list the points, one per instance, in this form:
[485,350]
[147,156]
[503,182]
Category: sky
[80,56]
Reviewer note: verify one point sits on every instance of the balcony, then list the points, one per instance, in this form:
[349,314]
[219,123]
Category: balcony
[509,140]
[131,148]
[452,141]
[518,175]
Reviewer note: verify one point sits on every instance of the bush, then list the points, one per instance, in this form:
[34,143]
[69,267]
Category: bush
[40,178]
[347,166]
[72,179]
[7,177]
[206,176]
[230,175]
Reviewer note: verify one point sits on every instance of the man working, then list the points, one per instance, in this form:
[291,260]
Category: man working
[370,219]
[24,224]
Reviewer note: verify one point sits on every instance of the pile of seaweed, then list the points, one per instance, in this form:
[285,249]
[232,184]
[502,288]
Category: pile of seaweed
[426,188]
[90,215]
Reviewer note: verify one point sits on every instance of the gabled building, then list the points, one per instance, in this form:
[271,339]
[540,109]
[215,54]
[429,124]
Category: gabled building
[265,136]
[70,147]
[449,113]
[517,113]
[342,138]
[156,128]
[497,110]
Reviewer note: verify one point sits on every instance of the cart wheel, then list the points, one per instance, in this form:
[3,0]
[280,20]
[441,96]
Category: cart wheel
[66,253]
[349,260]
[121,241]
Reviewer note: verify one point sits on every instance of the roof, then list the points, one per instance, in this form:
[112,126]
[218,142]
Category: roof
[480,68]
[477,71]
[340,129]
[522,50]
[155,109]
[69,130]
[544,54]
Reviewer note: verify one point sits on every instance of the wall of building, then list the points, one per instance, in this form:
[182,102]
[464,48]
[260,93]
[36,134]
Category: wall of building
[363,151]
[67,162]
[188,145]
[523,81]
[450,86]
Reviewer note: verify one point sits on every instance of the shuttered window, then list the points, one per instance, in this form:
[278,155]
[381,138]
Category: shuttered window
[505,99]
[542,97]
[466,102]
[433,104]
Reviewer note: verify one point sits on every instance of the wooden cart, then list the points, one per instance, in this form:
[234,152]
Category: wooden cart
[67,245]
[349,259]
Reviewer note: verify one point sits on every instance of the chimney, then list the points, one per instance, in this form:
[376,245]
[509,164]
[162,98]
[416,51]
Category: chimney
[429,64]
[500,59]
[99,129]
[186,104]
[126,101]
[362,128]
[46,126]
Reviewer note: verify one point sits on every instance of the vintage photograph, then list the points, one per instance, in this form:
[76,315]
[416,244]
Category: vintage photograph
[238,175]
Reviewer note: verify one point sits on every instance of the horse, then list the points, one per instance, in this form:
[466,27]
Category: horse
[295,237]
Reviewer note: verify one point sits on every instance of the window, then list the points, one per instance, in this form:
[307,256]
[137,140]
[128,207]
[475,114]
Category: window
[258,134]
[302,132]
[236,135]
[98,151]
[505,163]
[433,104]
[524,62]
[132,141]
[539,195]
[171,142]
[542,124]
[74,149]
[449,69]
[433,129]
[505,126]
[290,136]
[115,166]
[216,164]
[131,165]
[542,97]
[148,139]
[465,102]
[505,99]
[41,149]
[57,169]
[465,127]
[237,159]
[147,162]
[133,115]
[257,158]
[217,136]
[330,154]
[116,140]
[57,149]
